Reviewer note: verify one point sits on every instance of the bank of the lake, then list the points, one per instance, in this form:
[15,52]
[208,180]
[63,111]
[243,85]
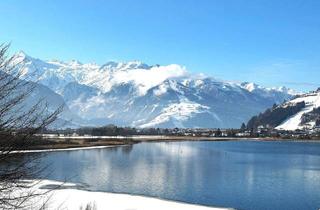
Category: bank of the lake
[52,143]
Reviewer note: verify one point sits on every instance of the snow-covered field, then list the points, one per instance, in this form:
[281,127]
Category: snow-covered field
[68,196]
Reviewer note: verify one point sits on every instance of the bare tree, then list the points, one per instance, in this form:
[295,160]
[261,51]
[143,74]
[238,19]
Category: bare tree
[19,123]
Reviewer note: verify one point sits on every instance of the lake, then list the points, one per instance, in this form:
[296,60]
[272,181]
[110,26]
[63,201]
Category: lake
[239,174]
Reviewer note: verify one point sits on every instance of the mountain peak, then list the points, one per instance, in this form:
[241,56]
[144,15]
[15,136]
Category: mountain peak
[250,86]
[287,90]
[126,65]
[137,65]
[74,63]
[21,54]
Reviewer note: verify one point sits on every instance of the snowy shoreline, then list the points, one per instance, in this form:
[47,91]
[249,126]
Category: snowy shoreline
[67,149]
[72,197]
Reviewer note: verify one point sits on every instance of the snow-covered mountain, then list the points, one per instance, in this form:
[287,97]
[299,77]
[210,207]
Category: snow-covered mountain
[307,117]
[39,98]
[301,112]
[136,94]
[54,101]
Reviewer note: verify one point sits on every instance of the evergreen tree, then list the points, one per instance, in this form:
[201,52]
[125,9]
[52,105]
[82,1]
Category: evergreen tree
[243,127]
[218,132]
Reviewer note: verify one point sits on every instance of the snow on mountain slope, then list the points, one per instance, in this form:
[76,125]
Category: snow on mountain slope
[54,101]
[177,112]
[312,101]
[45,100]
[136,94]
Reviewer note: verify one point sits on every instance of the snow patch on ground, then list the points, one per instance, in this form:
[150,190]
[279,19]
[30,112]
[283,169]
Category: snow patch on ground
[70,196]
[65,149]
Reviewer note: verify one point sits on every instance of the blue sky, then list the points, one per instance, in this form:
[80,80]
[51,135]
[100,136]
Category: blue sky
[270,42]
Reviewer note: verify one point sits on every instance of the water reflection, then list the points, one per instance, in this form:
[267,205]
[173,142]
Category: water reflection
[126,150]
[243,175]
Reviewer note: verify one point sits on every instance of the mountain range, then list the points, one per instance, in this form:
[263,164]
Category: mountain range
[140,95]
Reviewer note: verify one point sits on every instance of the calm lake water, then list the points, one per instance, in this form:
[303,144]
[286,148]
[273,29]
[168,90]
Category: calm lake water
[239,174]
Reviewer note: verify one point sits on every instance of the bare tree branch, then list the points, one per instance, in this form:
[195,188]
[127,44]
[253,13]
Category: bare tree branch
[19,122]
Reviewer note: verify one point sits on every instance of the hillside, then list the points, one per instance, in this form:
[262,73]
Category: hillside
[303,111]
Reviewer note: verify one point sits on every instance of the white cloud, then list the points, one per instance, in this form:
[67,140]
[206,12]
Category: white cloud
[148,78]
